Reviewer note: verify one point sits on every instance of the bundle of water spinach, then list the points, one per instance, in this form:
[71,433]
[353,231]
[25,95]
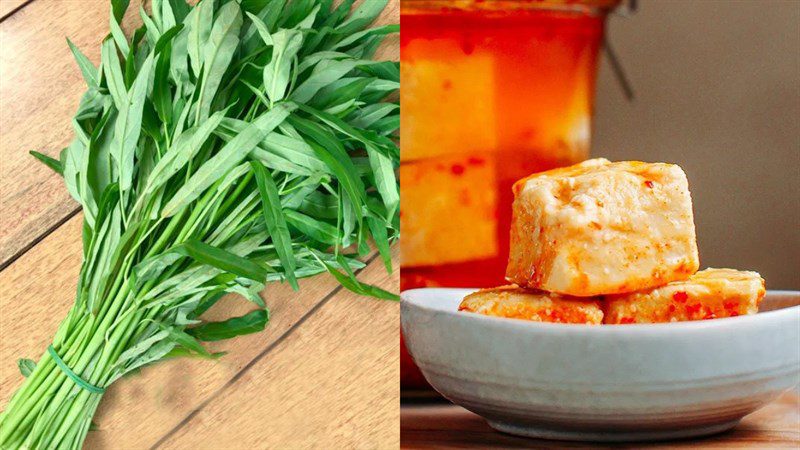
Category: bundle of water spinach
[218,148]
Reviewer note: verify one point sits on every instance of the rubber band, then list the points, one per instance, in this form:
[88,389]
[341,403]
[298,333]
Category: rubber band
[83,384]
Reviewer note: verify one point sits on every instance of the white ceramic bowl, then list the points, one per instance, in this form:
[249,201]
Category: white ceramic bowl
[604,383]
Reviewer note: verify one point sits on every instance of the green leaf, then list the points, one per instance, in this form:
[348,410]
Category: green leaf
[88,70]
[250,293]
[370,114]
[162,95]
[87,197]
[166,38]
[294,149]
[222,259]
[180,9]
[381,238]
[129,74]
[207,302]
[313,59]
[298,190]
[286,44]
[183,149]
[271,13]
[179,62]
[199,22]
[118,34]
[151,28]
[26,366]
[350,219]
[141,347]
[320,205]
[365,137]
[385,70]
[52,163]
[315,229]
[186,341]
[309,20]
[261,27]
[234,152]
[178,352]
[385,179]
[295,12]
[387,126]
[255,6]
[252,322]
[92,105]
[352,284]
[324,73]
[340,13]
[335,94]
[108,201]
[364,15]
[70,158]
[118,8]
[331,151]
[112,73]
[275,220]
[129,126]
[217,54]
[356,37]
[168,19]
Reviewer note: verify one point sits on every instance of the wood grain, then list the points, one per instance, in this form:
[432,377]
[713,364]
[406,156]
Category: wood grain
[7,7]
[439,425]
[40,89]
[334,383]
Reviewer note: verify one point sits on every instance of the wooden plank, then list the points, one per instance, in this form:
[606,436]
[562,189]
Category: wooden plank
[38,290]
[333,383]
[439,425]
[7,7]
[39,93]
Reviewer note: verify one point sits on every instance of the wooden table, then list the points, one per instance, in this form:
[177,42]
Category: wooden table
[436,425]
[323,374]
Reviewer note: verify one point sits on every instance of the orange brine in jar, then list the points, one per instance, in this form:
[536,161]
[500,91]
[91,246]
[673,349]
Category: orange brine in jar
[492,91]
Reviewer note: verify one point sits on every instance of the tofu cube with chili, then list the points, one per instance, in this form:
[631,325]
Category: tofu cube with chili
[602,228]
[448,210]
[708,294]
[538,306]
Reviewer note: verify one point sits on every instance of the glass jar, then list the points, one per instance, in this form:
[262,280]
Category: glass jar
[492,91]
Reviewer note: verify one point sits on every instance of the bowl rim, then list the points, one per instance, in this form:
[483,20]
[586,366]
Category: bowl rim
[408,300]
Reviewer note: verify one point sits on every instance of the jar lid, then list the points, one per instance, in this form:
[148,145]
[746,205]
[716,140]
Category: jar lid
[579,6]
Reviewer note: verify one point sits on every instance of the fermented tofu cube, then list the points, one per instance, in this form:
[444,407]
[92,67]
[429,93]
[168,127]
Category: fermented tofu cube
[452,113]
[709,294]
[538,306]
[602,228]
[448,210]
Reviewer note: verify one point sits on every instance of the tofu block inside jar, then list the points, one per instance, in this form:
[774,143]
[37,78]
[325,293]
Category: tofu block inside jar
[602,228]
[708,294]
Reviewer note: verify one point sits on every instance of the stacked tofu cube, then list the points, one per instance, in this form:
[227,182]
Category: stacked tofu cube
[617,239]
[519,303]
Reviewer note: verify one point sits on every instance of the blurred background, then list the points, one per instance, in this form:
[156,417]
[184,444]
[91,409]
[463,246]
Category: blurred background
[717,90]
